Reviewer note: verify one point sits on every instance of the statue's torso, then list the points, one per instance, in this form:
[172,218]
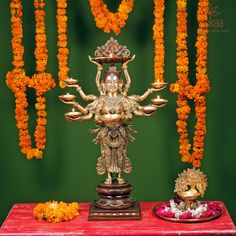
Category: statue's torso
[109,109]
[112,105]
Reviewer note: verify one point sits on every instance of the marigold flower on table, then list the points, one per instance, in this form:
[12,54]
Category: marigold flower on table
[55,212]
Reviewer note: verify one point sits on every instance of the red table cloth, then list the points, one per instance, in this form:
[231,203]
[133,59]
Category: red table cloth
[20,221]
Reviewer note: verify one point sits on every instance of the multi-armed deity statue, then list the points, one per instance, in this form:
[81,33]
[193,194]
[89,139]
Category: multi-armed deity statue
[112,109]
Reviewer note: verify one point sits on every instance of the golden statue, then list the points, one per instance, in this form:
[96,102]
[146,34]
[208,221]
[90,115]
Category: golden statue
[111,109]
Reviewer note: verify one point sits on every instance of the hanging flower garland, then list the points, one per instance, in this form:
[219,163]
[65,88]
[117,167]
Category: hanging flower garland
[18,81]
[107,20]
[183,87]
[63,51]
[55,212]
[158,37]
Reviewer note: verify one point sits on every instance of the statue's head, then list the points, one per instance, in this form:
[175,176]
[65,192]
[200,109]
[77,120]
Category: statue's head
[112,82]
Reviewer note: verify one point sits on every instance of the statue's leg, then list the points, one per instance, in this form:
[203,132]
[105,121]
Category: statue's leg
[109,178]
[120,179]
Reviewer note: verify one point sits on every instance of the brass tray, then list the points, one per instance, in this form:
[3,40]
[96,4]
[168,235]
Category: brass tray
[111,59]
[155,208]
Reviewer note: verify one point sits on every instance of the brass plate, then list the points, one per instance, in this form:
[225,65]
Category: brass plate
[185,220]
[111,59]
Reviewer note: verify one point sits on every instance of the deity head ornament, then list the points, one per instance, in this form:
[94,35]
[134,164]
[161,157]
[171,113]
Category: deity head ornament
[112,47]
[112,81]
[191,184]
[111,52]
[112,70]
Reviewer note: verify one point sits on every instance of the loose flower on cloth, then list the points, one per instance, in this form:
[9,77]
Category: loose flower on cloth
[55,212]
[179,209]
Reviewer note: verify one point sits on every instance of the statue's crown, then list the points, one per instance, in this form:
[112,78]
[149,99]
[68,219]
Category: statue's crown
[113,69]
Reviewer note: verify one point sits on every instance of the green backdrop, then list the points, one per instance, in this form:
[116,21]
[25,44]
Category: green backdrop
[68,170]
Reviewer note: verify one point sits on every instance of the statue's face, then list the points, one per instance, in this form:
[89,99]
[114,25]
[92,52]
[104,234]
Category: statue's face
[112,82]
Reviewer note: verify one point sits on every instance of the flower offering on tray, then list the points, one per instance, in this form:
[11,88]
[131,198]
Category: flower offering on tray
[187,210]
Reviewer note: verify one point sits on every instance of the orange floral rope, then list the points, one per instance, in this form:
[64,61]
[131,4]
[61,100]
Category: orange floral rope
[158,37]
[55,212]
[183,87]
[18,81]
[63,51]
[107,20]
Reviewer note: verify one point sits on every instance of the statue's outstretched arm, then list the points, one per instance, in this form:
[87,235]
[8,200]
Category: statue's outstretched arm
[98,76]
[82,109]
[80,118]
[140,98]
[89,97]
[127,77]
[145,110]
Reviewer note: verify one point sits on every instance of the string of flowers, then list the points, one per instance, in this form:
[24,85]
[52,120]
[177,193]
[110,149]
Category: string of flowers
[183,87]
[63,51]
[158,37]
[55,212]
[107,20]
[18,82]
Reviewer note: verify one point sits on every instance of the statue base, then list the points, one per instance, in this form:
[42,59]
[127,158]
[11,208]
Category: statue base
[114,203]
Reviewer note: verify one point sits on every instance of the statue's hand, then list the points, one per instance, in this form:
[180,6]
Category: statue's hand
[69,102]
[69,118]
[127,117]
[150,114]
[96,63]
[72,85]
[152,90]
[124,66]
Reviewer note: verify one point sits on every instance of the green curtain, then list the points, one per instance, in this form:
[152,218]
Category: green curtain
[68,170]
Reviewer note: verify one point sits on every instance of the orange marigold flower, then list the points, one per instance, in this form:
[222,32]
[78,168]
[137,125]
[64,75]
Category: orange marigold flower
[158,37]
[107,20]
[55,212]
[183,87]
[17,81]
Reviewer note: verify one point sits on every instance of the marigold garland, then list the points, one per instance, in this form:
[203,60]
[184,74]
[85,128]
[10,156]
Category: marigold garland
[18,81]
[107,20]
[55,212]
[63,51]
[183,87]
[158,37]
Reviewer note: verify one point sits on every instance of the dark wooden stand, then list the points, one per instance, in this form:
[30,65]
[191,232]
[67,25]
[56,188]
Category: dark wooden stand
[114,203]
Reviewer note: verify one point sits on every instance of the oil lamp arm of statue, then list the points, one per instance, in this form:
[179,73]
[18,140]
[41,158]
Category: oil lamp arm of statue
[136,98]
[139,110]
[112,108]
[89,97]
